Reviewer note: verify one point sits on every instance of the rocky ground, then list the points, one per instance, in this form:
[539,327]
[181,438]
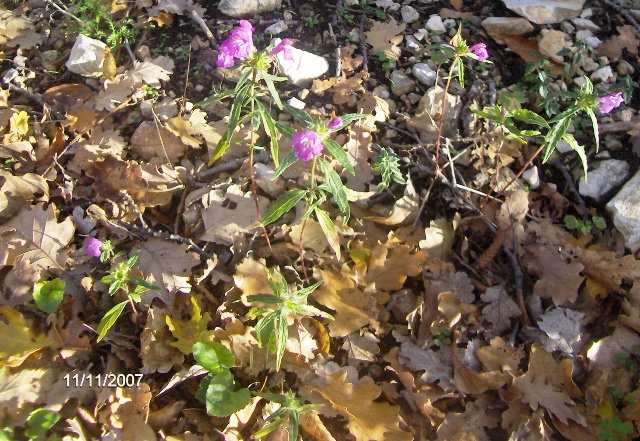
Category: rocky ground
[483,293]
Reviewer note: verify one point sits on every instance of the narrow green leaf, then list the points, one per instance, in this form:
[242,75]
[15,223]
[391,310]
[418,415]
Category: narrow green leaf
[270,427]
[282,205]
[529,117]
[338,152]
[218,97]
[336,187]
[213,356]
[270,126]
[569,138]
[109,319]
[264,329]
[554,136]
[39,421]
[265,298]
[285,130]
[329,230]
[268,79]
[234,119]
[294,423]
[287,162]
[300,115]
[596,131]
[461,72]
[142,282]
[304,292]
[282,334]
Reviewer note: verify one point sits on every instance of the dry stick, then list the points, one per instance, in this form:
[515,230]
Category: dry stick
[626,14]
[363,46]
[194,15]
[186,82]
[522,170]
[572,188]
[231,165]
[146,231]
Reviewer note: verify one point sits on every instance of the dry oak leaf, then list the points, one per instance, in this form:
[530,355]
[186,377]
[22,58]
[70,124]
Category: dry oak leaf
[251,278]
[229,215]
[389,272]
[501,309]
[156,351]
[353,307]
[189,332]
[152,141]
[562,326]
[606,268]
[376,108]
[468,381]
[345,90]
[469,425]
[17,31]
[17,192]
[179,7]
[361,347]
[183,129]
[33,236]
[25,386]
[115,92]
[558,280]
[152,71]
[498,356]
[360,154]
[627,39]
[168,265]
[350,62]
[537,387]
[435,369]
[367,420]
[385,37]
[17,341]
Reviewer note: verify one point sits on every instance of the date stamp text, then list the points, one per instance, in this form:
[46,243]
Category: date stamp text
[102,380]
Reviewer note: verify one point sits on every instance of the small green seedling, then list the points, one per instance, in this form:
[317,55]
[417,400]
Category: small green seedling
[585,227]
[443,337]
[388,168]
[310,21]
[291,408]
[39,421]
[48,295]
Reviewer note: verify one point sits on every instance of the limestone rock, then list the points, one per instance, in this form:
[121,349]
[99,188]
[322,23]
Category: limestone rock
[603,178]
[424,74]
[546,11]
[603,74]
[584,24]
[243,8]
[625,211]
[276,28]
[401,84]
[305,66]
[435,24]
[499,27]
[552,43]
[409,14]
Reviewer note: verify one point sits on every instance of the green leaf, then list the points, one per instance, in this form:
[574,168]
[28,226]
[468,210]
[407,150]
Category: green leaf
[554,136]
[461,72]
[282,205]
[596,131]
[109,319]
[568,137]
[270,126]
[529,117]
[221,399]
[285,130]
[329,230]
[348,119]
[264,329]
[282,334]
[338,152]
[287,162]
[571,222]
[142,282]
[300,115]
[234,119]
[48,295]
[269,299]
[599,222]
[39,421]
[213,356]
[268,79]
[269,427]
[337,188]
[304,292]
[294,423]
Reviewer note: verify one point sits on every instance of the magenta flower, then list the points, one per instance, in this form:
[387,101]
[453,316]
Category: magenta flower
[335,122]
[94,247]
[480,49]
[306,144]
[239,44]
[285,47]
[610,102]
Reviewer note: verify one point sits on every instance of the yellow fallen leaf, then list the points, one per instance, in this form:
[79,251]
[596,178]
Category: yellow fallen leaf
[17,341]
[189,332]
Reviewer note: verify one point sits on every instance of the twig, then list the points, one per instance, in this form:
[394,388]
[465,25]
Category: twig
[363,46]
[194,15]
[231,165]
[146,231]
[572,188]
[186,83]
[626,14]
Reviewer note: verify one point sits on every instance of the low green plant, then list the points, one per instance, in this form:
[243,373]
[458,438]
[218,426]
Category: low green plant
[584,226]
[379,13]
[388,168]
[119,278]
[629,359]
[283,304]
[93,19]
[218,389]
[310,21]
[343,11]
[443,337]
[291,407]
[614,429]
[39,421]
[387,63]
[48,294]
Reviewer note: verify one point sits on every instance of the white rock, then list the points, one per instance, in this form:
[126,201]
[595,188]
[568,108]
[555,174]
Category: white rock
[264,180]
[401,84]
[87,56]
[532,177]
[296,103]
[499,27]
[424,74]
[593,42]
[276,28]
[587,13]
[567,27]
[305,66]
[546,11]
[411,43]
[435,24]
[552,43]
[409,14]
[589,65]
[625,211]
[450,23]
[603,74]
[584,24]
[242,8]
[603,178]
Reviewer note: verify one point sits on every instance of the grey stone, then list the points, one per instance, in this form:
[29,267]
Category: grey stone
[584,24]
[567,27]
[243,8]
[435,24]
[624,68]
[603,74]
[296,103]
[411,43]
[605,176]
[625,211]
[304,66]
[424,74]
[498,27]
[546,11]
[532,177]
[276,28]
[409,14]
[401,84]
[428,107]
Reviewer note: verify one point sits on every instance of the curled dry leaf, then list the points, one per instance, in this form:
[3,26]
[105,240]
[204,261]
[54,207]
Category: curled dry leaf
[558,280]
[385,38]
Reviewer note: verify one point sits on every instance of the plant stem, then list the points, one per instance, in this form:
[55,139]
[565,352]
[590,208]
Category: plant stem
[304,222]
[444,108]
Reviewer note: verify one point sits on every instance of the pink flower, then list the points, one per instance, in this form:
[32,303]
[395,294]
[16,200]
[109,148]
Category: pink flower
[285,47]
[306,144]
[335,122]
[480,49]
[94,247]
[239,44]
[610,102]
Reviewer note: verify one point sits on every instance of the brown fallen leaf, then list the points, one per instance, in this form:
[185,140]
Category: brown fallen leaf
[501,309]
[607,269]
[627,38]
[469,425]
[558,280]
[17,341]
[156,351]
[155,141]
[498,356]
[385,38]
[525,47]
[390,271]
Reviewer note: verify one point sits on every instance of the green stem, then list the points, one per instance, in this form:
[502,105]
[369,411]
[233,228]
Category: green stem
[304,222]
